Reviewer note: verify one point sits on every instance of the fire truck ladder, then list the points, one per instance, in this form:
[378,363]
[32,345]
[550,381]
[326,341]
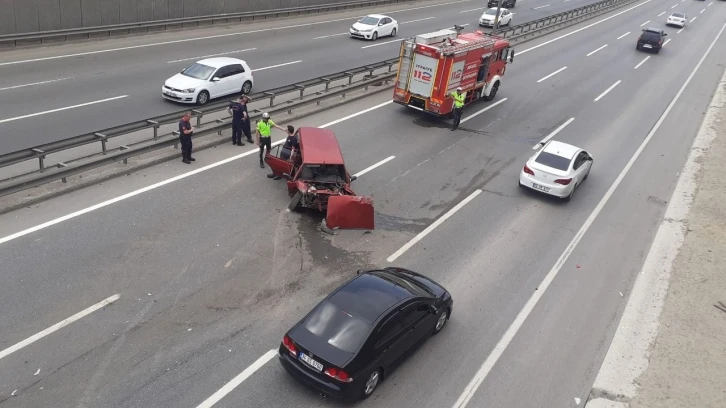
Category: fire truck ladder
[405,66]
[452,49]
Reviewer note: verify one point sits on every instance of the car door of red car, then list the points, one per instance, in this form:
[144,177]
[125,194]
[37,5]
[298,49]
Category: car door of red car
[278,165]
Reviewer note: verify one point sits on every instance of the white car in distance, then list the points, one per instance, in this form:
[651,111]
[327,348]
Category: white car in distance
[556,169]
[208,79]
[487,19]
[677,19]
[373,26]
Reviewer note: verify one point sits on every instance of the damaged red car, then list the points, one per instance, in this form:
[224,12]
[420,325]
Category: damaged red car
[316,178]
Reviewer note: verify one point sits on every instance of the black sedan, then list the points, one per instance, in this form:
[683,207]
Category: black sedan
[352,339]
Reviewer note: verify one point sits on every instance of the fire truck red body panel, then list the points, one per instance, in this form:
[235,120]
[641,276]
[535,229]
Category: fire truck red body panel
[431,66]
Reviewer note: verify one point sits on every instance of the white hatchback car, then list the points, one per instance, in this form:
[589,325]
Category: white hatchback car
[556,169]
[373,26]
[677,19]
[487,19]
[208,79]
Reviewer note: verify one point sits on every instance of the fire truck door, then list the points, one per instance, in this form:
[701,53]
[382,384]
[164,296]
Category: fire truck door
[483,69]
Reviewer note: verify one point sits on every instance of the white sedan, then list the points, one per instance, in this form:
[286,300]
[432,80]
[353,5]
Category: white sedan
[487,19]
[373,26]
[677,19]
[556,169]
[208,79]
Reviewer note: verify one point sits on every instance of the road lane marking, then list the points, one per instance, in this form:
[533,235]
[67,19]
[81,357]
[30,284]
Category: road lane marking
[63,323]
[211,55]
[331,35]
[276,66]
[666,42]
[546,5]
[702,11]
[466,11]
[34,83]
[552,74]
[62,109]
[642,62]
[661,14]
[380,163]
[623,35]
[414,21]
[508,336]
[608,90]
[596,50]
[709,4]
[165,182]
[479,112]
[433,226]
[692,19]
[583,28]
[674,6]
[262,30]
[645,23]
[679,31]
[239,379]
[380,43]
[553,134]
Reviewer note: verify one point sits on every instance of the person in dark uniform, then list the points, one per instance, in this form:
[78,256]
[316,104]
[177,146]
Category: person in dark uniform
[246,128]
[236,110]
[185,138]
[286,150]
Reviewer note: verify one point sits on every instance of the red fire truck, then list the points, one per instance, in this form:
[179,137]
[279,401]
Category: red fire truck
[431,66]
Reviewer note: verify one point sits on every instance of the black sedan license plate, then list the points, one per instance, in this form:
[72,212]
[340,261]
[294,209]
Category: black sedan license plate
[312,363]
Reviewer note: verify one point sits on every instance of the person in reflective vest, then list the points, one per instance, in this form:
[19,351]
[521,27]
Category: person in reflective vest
[459,98]
[264,135]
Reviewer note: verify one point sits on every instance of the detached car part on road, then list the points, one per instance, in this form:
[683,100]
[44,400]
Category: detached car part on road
[317,178]
[353,338]
[556,169]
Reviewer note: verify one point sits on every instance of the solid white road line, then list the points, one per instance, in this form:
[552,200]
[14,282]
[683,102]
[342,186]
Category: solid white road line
[414,21]
[623,35]
[262,30]
[596,50]
[380,163]
[331,35]
[692,19]
[553,134]
[666,42]
[278,65]
[236,381]
[380,43]
[679,31]
[583,28]
[163,183]
[608,90]
[34,83]
[433,226]
[211,55]
[645,23]
[32,339]
[642,62]
[504,342]
[479,112]
[552,74]
[62,109]
[546,5]
[661,14]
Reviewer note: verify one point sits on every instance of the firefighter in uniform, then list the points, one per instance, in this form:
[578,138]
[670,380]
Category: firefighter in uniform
[459,98]
[264,135]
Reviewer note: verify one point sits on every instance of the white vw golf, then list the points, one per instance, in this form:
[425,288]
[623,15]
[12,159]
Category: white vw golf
[208,79]
[556,169]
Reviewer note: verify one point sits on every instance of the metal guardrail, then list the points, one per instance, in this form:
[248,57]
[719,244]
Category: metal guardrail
[62,170]
[536,27]
[160,25]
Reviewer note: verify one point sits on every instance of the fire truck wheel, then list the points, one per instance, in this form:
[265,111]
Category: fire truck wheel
[493,92]
[375,35]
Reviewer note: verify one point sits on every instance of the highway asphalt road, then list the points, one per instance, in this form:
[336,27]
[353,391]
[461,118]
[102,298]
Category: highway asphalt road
[211,270]
[282,52]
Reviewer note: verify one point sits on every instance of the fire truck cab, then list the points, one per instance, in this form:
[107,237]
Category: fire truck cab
[431,66]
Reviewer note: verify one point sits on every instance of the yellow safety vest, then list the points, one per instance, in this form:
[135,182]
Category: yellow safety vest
[265,129]
[458,99]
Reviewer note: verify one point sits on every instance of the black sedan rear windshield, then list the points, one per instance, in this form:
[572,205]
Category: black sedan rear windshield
[553,160]
[337,327]
[649,35]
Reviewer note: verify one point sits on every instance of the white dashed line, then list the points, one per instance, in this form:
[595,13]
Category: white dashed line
[546,5]
[380,163]
[661,14]
[479,112]
[552,74]
[553,134]
[236,381]
[645,23]
[642,62]
[674,6]
[62,109]
[420,19]
[466,11]
[623,35]
[679,31]
[666,42]
[34,83]
[331,35]
[602,95]
[702,11]
[692,19]
[278,65]
[592,52]
[211,55]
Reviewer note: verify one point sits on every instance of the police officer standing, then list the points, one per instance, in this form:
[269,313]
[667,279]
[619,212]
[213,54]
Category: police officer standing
[264,135]
[459,98]
[237,110]
[185,138]
[244,100]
